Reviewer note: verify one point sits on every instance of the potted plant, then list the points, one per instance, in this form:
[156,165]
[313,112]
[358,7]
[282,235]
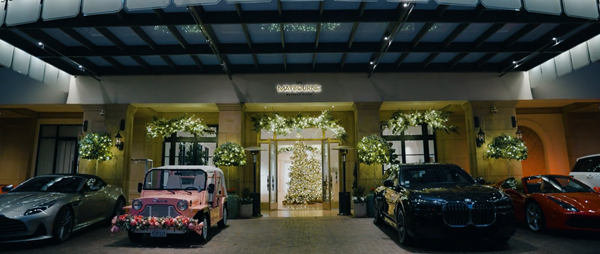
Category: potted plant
[360,202]
[246,204]
[233,204]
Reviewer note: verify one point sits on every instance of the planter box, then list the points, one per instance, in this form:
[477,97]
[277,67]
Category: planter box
[360,210]
[245,211]
[233,206]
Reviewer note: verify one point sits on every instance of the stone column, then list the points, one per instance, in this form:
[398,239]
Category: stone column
[367,123]
[108,118]
[494,120]
[231,127]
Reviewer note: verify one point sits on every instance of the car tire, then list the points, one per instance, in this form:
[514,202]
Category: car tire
[117,210]
[135,237]
[403,236]
[223,222]
[63,224]
[377,217]
[205,226]
[534,217]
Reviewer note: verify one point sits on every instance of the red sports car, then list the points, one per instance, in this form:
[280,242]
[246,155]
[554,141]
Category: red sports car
[554,202]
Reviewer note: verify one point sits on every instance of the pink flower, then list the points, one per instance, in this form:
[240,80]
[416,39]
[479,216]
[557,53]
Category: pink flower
[114,229]
[191,226]
[156,224]
[133,223]
[114,220]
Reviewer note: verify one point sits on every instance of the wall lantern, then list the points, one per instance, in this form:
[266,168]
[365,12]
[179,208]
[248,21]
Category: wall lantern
[119,141]
[519,134]
[480,137]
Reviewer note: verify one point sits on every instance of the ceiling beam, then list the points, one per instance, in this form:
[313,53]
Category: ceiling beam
[455,33]
[457,59]
[361,11]
[198,63]
[197,12]
[424,30]
[487,34]
[519,34]
[121,46]
[240,12]
[172,29]
[304,16]
[430,59]
[114,63]
[400,60]
[483,60]
[308,48]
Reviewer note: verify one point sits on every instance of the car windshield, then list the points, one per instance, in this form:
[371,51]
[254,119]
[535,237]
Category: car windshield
[175,179]
[435,175]
[50,184]
[556,184]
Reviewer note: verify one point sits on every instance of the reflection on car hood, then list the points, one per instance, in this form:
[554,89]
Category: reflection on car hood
[584,201]
[21,201]
[459,192]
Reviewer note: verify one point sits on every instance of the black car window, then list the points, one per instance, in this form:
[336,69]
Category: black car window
[50,184]
[591,164]
[436,175]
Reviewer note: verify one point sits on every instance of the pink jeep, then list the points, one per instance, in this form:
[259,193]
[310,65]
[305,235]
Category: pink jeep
[176,200]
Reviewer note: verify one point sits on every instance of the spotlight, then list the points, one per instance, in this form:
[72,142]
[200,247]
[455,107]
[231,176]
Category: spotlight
[405,5]
[41,44]
[554,38]
[386,38]
[514,62]
[372,62]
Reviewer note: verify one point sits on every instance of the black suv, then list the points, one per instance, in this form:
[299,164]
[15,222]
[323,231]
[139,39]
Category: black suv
[442,201]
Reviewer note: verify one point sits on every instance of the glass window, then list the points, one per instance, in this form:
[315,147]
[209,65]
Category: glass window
[183,148]
[414,145]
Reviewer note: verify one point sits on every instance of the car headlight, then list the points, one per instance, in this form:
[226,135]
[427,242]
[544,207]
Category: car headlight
[136,204]
[427,201]
[182,205]
[564,205]
[40,208]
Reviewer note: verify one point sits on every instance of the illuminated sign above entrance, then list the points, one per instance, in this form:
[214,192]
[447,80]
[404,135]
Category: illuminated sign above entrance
[299,89]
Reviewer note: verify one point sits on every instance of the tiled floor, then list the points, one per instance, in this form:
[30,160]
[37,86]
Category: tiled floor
[300,213]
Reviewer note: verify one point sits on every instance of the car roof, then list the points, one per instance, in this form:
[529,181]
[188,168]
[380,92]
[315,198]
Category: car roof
[81,175]
[207,169]
[589,156]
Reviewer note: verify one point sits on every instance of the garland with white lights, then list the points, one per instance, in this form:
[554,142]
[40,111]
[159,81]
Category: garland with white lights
[284,125]
[374,150]
[507,147]
[299,27]
[229,154]
[437,119]
[291,149]
[166,127]
[96,146]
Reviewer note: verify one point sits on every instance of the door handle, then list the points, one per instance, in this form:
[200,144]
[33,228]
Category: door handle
[269,183]
[273,183]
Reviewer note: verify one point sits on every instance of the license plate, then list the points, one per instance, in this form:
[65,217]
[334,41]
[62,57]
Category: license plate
[158,233]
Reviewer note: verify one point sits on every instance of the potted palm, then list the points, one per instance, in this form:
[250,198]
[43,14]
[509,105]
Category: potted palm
[246,204]
[360,202]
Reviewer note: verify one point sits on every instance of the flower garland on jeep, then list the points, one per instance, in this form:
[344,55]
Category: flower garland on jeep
[229,154]
[129,222]
[166,127]
[437,119]
[96,146]
[374,150]
[285,125]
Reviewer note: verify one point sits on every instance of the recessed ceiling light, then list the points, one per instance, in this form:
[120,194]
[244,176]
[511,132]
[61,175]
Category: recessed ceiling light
[265,106]
[333,106]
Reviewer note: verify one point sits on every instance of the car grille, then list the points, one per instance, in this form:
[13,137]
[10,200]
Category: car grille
[10,226]
[160,211]
[460,214]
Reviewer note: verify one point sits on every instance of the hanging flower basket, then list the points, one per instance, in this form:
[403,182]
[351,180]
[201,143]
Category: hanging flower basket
[507,147]
[374,150]
[96,146]
[437,119]
[229,154]
[166,127]
[285,125]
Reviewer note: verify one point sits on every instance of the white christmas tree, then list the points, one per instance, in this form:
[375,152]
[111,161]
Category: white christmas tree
[305,177]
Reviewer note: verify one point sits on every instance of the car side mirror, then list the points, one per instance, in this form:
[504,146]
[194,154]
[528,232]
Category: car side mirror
[7,188]
[211,188]
[596,189]
[139,187]
[388,183]
[480,180]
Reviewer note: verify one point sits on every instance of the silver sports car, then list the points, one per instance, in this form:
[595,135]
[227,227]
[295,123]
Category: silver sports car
[54,206]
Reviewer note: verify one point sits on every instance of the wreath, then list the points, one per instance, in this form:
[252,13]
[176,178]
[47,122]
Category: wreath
[166,127]
[374,150]
[507,147]
[96,146]
[229,154]
[284,125]
[437,119]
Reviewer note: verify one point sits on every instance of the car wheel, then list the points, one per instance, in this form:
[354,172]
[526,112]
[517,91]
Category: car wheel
[118,210]
[535,217]
[205,226]
[135,237]
[403,237]
[223,222]
[377,219]
[63,224]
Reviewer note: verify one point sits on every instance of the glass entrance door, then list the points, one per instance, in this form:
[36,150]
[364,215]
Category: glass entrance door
[272,176]
[326,176]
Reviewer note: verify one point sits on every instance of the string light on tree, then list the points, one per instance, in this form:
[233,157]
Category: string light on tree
[507,147]
[436,119]
[305,176]
[96,146]
[166,127]
[374,150]
[283,126]
[300,27]
[229,154]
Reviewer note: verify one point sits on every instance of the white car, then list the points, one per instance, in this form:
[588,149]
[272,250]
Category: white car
[587,170]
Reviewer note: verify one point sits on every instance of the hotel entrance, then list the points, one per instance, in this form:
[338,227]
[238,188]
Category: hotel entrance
[299,171]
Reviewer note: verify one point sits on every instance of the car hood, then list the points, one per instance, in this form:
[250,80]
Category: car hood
[460,192]
[584,201]
[19,202]
[169,198]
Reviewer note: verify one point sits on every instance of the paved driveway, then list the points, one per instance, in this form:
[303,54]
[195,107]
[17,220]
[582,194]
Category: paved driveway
[306,235]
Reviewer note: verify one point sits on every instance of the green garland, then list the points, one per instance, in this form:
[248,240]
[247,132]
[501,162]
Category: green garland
[437,119]
[374,150]
[283,126]
[96,146]
[507,147]
[288,149]
[166,127]
[229,154]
